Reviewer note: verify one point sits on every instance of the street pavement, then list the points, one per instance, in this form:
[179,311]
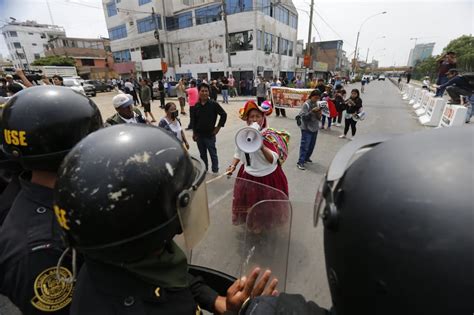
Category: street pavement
[386,112]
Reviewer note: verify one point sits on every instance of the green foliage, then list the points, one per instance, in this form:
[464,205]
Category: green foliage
[54,61]
[463,47]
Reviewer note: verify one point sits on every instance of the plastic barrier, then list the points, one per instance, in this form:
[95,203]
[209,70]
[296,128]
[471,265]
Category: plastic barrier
[434,111]
[453,115]
[422,110]
[403,88]
[415,96]
[408,95]
[424,98]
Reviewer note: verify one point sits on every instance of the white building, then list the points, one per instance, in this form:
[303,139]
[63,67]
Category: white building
[262,37]
[26,41]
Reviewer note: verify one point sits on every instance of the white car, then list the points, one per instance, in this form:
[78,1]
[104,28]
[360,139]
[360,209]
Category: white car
[382,77]
[74,84]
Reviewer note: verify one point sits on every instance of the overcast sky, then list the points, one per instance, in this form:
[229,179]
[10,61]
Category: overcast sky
[430,21]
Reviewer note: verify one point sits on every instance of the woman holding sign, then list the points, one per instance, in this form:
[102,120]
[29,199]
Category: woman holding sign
[353,106]
[262,166]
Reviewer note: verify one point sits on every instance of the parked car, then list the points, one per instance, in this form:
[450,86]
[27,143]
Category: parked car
[89,89]
[100,86]
[382,77]
[171,92]
[74,84]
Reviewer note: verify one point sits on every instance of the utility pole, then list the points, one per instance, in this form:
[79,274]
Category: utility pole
[367,56]
[157,32]
[308,48]
[224,16]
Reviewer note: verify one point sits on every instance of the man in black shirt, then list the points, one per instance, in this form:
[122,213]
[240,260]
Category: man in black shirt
[204,119]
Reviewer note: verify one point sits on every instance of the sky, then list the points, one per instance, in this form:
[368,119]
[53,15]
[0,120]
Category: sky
[429,21]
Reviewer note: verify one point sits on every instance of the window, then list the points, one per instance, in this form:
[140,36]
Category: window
[293,21]
[16,45]
[241,41]
[265,6]
[88,62]
[118,32]
[37,56]
[237,6]
[34,44]
[267,46]
[208,14]
[290,48]
[259,40]
[122,56]
[151,52]
[111,9]
[142,2]
[148,24]
[13,34]
[179,21]
[46,46]
[281,14]
[21,55]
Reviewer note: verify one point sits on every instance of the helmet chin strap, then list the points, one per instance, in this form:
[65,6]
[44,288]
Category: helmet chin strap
[74,267]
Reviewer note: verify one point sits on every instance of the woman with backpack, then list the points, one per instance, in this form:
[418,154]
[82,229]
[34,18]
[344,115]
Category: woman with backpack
[262,166]
[172,123]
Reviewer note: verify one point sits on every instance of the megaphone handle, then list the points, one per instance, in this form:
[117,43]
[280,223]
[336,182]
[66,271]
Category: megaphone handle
[247,159]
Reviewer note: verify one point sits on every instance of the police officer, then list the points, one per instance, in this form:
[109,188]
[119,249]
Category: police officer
[398,231]
[123,193]
[41,124]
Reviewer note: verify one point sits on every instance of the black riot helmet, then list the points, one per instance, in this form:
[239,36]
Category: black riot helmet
[125,191]
[398,224]
[41,124]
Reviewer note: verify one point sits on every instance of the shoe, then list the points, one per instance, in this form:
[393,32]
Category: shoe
[278,115]
[301,167]
[284,116]
[342,137]
[153,121]
[183,113]
[322,128]
[308,161]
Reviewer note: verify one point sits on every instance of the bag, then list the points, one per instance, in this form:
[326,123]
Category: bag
[298,120]
[279,138]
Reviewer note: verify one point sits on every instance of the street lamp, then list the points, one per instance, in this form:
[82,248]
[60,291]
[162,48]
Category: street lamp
[367,56]
[358,34]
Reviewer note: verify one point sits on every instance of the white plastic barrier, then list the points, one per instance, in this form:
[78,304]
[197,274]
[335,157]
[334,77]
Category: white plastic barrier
[403,88]
[453,115]
[423,100]
[434,111]
[409,93]
[415,96]
[422,110]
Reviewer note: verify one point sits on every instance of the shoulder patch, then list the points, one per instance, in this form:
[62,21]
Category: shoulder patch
[50,293]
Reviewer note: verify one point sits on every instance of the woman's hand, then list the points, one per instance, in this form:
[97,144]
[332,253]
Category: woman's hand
[186,144]
[230,169]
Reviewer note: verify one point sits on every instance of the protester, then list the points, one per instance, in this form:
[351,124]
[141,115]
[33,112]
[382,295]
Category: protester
[126,112]
[399,80]
[456,87]
[353,106]
[313,84]
[161,92]
[232,87]
[3,87]
[262,166]
[204,118]
[278,111]
[310,116]
[172,123]
[408,74]
[145,96]
[225,90]
[181,93]
[58,80]
[426,83]
[446,62]
[193,96]
[12,87]
[339,99]
[130,89]
[261,91]
[363,82]
[321,87]
[214,91]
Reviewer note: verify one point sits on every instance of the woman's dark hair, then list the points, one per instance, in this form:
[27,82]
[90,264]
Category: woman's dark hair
[315,93]
[203,85]
[168,105]
[357,91]
[193,83]
[343,91]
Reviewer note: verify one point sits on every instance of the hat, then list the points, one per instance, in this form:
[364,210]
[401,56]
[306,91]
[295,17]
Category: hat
[453,70]
[266,108]
[122,100]
[8,76]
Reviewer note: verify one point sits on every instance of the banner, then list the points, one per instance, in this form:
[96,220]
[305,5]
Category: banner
[284,97]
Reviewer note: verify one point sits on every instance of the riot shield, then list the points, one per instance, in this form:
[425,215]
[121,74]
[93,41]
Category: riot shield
[250,226]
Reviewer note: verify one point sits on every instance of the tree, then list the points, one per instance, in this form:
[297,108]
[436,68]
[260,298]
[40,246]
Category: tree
[464,48]
[427,67]
[54,61]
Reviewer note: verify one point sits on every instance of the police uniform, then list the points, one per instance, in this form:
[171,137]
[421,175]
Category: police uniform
[105,289]
[30,247]
[8,196]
